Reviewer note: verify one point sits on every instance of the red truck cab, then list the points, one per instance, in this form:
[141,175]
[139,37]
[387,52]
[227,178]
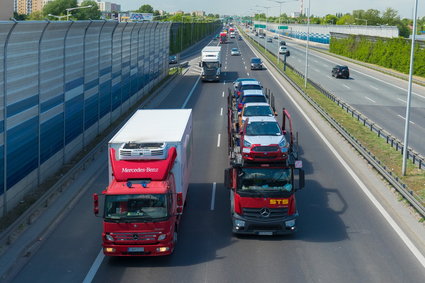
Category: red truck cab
[141,208]
[262,198]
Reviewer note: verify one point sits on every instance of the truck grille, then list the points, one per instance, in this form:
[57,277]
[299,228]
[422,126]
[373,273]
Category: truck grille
[265,148]
[256,213]
[135,236]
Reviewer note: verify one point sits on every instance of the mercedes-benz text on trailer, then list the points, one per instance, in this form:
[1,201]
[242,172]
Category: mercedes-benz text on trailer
[149,166]
[211,63]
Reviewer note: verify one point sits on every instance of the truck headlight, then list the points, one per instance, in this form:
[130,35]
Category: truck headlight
[290,223]
[239,223]
[162,237]
[109,237]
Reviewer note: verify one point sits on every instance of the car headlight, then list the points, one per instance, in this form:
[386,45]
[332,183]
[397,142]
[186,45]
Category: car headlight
[162,237]
[282,143]
[246,143]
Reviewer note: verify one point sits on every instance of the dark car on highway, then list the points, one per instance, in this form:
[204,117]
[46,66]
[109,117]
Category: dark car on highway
[340,72]
[256,64]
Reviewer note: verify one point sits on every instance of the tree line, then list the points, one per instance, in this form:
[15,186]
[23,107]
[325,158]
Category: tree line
[371,17]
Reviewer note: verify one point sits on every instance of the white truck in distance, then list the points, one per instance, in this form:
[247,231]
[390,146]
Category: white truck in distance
[211,63]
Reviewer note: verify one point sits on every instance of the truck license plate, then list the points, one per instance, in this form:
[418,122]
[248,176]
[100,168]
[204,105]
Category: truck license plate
[265,233]
[135,250]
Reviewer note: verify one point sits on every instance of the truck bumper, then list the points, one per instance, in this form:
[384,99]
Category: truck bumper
[282,226]
[138,250]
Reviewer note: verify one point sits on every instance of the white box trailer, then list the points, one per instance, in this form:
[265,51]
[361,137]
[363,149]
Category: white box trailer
[148,135]
[211,63]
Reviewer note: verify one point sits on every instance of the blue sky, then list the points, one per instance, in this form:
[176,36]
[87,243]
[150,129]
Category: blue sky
[245,7]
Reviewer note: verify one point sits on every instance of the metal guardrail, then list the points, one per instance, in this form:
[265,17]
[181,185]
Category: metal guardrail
[28,217]
[414,200]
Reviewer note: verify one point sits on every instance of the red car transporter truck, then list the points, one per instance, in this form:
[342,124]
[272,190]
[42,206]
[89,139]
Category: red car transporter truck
[263,184]
[149,166]
[223,37]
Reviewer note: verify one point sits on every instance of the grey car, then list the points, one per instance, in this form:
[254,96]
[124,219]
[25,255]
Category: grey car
[256,64]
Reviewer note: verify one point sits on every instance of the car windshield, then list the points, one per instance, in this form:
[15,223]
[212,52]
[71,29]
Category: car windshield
[256,60]
[247,87]
[265,180]
[234,49]
[253,99]
[263,129]
[257,111]
[142,207]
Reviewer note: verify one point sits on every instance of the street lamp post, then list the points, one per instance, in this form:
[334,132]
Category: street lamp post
[75,8]
[409,91]
[306,47]
[265,34]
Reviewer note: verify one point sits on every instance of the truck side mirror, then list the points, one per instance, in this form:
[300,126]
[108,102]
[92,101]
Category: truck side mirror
[95,204]
[179,199]
[179,202]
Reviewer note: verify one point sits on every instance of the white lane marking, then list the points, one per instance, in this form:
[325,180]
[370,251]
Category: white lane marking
[224,83]
[94,267]
[221,111]
[247,74]
[405,119]
[374,87]
[191,92]
[420,257]
[213,196]
[330,77]
[401,100]
[370,99]
[222,94]
[346,86]
[317,70]
[225,67]
[218,140]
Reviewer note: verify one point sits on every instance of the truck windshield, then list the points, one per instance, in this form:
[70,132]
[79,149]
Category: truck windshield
[211,65]
[149,207]
[263,181]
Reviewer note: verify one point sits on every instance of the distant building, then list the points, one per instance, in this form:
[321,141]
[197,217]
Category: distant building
[179,12]
[295,14]
[199,13]
[6,11]
[105,6]
[29,6]
[115,7]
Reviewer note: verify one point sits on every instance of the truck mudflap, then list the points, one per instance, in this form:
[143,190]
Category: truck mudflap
[138,250]
[269,227]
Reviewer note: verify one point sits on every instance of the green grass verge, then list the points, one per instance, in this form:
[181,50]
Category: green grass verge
[389,157]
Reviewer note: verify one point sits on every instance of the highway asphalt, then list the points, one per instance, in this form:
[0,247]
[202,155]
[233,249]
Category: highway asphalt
[342,235]
[380,97]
